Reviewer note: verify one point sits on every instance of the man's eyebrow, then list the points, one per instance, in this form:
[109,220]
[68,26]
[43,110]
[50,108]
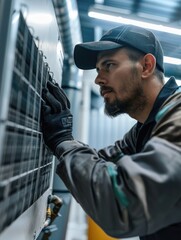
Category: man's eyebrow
[104,62]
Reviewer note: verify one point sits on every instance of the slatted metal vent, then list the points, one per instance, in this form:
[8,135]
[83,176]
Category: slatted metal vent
[25,162]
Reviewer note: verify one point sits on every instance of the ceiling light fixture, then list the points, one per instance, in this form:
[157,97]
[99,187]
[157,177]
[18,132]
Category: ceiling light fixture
[98,14]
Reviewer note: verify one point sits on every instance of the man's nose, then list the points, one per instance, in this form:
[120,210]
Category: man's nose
[100,79]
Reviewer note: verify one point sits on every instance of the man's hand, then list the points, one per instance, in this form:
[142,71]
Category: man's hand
[56,116]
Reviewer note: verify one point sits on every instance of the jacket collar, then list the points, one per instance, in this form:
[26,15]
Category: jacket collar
[168,89]
[144,130]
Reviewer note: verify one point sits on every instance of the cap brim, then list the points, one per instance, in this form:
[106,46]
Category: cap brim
[85,54]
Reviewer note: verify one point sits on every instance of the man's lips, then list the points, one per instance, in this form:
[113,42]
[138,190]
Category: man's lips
[104,91]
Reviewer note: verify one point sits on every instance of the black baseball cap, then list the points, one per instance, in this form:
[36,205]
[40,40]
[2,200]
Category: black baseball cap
[85,54]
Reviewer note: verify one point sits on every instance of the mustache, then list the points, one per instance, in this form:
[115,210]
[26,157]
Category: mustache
[105,89]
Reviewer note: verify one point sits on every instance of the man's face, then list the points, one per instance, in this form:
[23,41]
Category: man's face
[120,82]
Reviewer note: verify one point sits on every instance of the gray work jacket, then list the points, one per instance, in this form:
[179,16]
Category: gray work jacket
[132,188]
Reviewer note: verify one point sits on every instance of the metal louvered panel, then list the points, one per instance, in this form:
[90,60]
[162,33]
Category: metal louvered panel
[25,162]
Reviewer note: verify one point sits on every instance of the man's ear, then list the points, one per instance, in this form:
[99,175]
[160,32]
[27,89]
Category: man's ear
[149,65]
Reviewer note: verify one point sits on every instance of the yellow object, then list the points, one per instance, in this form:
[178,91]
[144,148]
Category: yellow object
[96,233]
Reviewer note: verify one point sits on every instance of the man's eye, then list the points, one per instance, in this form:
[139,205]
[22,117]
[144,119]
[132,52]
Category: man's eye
[109,65]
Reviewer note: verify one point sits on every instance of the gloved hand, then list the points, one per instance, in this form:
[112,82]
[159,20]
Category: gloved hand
[55,116]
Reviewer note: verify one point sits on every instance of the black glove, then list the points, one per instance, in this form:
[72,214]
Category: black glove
[56,116]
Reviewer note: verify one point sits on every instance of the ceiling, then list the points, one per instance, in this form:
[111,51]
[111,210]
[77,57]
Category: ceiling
[167,12]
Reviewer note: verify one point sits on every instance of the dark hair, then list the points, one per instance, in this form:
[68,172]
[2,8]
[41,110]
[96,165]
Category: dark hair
[135,55]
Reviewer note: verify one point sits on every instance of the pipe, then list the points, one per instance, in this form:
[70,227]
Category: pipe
[69,26]
[53,213]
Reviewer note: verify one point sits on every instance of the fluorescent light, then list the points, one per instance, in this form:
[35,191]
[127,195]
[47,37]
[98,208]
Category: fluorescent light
[118,19]
[175,61]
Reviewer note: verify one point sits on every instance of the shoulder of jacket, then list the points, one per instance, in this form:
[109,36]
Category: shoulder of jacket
[170,103]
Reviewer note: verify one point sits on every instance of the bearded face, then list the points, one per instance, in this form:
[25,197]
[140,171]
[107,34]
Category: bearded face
[134,99]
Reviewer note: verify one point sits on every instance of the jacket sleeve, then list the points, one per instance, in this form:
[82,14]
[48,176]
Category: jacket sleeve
[136,195]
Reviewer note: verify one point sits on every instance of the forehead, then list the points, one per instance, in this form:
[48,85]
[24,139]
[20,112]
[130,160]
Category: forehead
[104,55]
[107,53]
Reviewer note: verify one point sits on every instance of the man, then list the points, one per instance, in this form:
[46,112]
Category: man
[132,188]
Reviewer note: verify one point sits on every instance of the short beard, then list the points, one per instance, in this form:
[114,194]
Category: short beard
[135,103]
[130,106]
[114,109]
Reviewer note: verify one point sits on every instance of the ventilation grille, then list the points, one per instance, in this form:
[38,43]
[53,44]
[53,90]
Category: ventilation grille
[25,162]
